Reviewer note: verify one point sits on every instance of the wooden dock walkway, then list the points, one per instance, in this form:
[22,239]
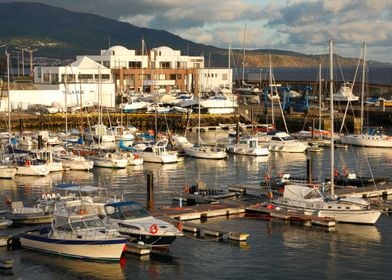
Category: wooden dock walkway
[292,216]
[365,192]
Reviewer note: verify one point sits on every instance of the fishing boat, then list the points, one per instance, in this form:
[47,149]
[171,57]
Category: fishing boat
[76,233]
[131,218]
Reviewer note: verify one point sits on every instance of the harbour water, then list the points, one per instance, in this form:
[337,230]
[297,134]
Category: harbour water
[274,250]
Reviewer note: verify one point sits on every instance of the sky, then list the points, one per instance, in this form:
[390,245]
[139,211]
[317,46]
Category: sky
[304,26]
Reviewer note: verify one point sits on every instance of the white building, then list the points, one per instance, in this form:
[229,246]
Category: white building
[160,69]
[84,81]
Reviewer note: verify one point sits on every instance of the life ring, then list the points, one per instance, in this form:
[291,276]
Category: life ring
[179,226]
[27,162]
[135,156]
[153,229]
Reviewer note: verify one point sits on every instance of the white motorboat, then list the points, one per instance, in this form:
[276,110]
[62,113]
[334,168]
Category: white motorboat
[345,94]
[131,218]
[72,161]
[7,171]
[158,153]
[206,152]
[110,160]
[30,167]
[45,155]
[221,102]
[283,142]
[22,215]
[76,233]
[135,104]
[249,147]
[133,159]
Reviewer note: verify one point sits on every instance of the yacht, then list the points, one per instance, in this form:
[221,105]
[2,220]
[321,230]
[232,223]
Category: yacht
[158,153]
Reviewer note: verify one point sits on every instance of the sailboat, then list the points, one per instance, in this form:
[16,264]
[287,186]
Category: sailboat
[372,137]
[204,151]
[7,168]
[309,200]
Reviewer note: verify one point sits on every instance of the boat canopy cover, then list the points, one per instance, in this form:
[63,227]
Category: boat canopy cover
[302,193]
[76,188]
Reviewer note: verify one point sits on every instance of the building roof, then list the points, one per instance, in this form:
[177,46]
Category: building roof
[86,63]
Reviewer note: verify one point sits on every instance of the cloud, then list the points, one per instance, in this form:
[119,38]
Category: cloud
[296,25]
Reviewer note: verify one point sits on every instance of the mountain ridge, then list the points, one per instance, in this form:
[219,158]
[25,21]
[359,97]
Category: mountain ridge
[59,33]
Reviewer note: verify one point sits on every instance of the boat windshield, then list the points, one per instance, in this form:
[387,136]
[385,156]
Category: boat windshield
[87,224]
[127,212]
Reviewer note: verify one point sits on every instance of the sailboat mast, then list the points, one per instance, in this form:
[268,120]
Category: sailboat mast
[243,57]
[332,117]
[363,81]
[65,99]
[9,96]
[320,101]
[271,92]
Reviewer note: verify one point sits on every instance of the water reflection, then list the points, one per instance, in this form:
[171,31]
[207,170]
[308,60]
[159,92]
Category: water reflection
[72,268]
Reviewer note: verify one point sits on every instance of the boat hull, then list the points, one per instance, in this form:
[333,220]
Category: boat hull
[33,170]
[110,249]
[7,172]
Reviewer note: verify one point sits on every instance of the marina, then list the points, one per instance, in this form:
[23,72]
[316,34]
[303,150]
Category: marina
[243,223]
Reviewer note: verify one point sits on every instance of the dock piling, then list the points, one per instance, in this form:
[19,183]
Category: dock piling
[150,191]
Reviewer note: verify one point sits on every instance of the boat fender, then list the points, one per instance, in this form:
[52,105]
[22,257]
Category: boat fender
[8,201]
[179,226]
[185,189]
[13,243]
[153,229]
[270,195]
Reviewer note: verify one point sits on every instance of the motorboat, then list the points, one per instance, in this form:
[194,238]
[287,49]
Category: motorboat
[345,93]
[22,215]
[247,146]
[76,233]
[158,153]
[71,161]
[131,218]
[29,166]
[206,152]
[7,171]
[135,104]
[110,160]
[283,142]
[45,155]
